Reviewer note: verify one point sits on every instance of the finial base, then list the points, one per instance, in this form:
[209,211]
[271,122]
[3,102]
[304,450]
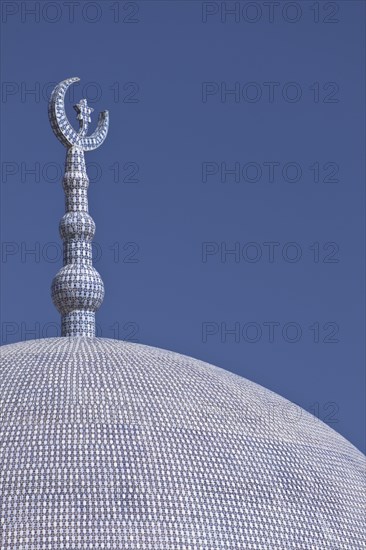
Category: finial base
[78,323]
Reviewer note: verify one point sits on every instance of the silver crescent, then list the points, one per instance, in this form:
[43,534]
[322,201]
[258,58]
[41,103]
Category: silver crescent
[61,126]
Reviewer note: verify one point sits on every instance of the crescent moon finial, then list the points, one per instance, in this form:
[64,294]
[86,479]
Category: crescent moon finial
[62,127]
[77,290]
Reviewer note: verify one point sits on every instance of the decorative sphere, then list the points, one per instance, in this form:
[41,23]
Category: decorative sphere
[77,225]
[77,287]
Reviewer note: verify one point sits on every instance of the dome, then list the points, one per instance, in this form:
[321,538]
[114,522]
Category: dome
[112,445]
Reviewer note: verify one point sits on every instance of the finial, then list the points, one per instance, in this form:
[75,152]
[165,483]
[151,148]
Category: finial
[77,289]
[83,111]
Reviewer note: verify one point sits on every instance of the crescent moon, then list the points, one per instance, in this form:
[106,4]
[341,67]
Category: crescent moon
[61,126]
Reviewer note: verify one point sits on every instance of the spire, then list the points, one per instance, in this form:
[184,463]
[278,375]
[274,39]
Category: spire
[77,289]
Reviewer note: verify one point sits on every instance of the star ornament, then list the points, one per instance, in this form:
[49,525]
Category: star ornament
[83,110]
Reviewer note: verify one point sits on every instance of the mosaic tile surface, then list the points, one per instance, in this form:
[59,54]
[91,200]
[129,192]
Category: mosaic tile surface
[113,445]
[77,290]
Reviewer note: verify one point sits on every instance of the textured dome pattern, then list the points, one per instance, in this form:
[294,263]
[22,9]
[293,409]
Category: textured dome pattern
[111,445]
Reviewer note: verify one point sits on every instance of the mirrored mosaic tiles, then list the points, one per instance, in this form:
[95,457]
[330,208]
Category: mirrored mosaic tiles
[112,445]
[62,127]
[77,290]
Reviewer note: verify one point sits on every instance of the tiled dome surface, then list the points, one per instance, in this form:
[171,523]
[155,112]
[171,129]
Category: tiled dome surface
[111,445]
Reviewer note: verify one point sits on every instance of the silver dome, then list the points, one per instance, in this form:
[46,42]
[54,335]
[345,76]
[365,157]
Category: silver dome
[111,445]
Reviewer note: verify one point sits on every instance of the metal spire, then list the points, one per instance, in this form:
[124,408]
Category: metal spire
[77,289]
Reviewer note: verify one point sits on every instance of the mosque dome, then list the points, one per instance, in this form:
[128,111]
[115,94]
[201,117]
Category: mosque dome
[112,445]
[108,445]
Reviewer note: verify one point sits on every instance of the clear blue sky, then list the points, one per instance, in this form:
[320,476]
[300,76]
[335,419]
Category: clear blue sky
[239,132]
